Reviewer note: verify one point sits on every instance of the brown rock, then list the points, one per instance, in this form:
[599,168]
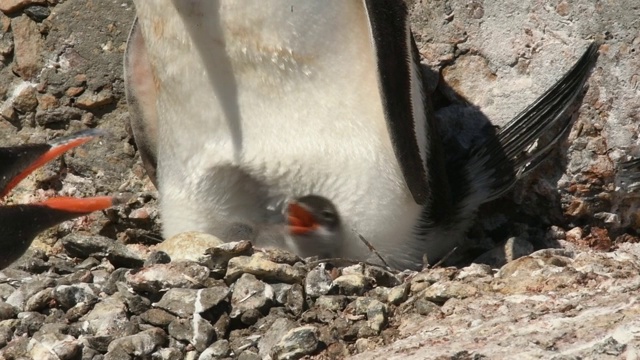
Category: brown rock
[93,100]
[74,91]
[28,46]
[26,100]
[10,6]
[47,101]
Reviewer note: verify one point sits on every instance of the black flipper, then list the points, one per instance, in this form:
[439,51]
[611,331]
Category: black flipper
[410,125]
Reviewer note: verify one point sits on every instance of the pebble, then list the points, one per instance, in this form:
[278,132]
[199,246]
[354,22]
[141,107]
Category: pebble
[251,294]
[263,269]
[160,277]
[297,343]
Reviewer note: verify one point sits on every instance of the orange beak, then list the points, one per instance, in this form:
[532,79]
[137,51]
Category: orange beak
[79,205]
[300,220]
[54,152]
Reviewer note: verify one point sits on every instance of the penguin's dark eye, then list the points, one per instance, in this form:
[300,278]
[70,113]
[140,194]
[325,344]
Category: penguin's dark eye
[328,216]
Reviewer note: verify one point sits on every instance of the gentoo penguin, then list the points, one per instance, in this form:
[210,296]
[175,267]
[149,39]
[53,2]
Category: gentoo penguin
[310,226]
[19,224]
[238,103]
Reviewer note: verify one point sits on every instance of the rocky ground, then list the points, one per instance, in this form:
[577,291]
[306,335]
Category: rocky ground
[97,287]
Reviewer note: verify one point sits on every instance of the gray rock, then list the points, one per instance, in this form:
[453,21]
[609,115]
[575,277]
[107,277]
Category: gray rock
[297,343]
[188,246]
[49,343]
[69,296]
[318,281]
[167,354]
[279,256]
[281,290]
[108,317]
[219,256]
[40,300]
[157,257]
[332,302]
[295,300]
[398,294]
[249,293]
[443,291]
[352,284]
[101,247]
[382,277]
[263,269]
[21,295]
[374,310]
[196,331]
[185,302]
[217,350]
[159,277]
[157,317]
[30,322]
[7,311]
[273,335]
[141,344]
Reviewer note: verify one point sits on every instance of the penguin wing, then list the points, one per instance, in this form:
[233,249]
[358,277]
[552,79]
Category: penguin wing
[400,80]
[141,98]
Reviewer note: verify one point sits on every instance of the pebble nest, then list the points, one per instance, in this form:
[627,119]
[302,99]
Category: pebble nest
[98,299]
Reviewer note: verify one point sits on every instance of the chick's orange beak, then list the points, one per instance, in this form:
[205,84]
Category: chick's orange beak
[300,220]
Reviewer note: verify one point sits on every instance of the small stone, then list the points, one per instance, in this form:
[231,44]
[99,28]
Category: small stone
[185,302]
[19,298]
[574,235]
[475,271]
[157,317]
[37,13]
[41,300]
[443,291]
[28,46]
[249,293]
[74,91]
[83,246]
[353,284]
[279,256]
[375,311]
[90,101]
[26,100]
[425,307]
[168,354]
[141,344]
[281,290]
[30,322]
[69,296]
[332,302]
[398,294]
[157,257]
[295,300]
[197,331]
[297,343]
[273,335]
[108,317]
[263,269]
[159,277]
[188,246]
[219,256]
[217,350]
[318,281]
[135,303]
[7,311]
[100,343]
[60,114]
[382,277]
